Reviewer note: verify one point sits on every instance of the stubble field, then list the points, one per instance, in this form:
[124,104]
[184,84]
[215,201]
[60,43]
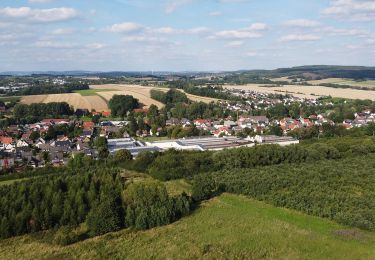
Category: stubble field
[308,91]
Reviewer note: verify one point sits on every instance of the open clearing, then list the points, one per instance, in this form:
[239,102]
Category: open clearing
[74,99]
[227,227]
[308,91]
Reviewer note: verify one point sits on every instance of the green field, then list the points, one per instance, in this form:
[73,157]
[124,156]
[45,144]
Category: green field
[91,92]
[10,99]
[366,83]
[227,227]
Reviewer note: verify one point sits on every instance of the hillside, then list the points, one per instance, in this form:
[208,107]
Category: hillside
[228,226]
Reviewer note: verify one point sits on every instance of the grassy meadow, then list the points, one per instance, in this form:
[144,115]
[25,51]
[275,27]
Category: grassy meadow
[226,227]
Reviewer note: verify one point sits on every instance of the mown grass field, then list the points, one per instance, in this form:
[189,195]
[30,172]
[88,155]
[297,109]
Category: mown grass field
[226,227]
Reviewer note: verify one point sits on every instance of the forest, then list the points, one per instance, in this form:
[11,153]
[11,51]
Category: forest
[51,89]
[90,192]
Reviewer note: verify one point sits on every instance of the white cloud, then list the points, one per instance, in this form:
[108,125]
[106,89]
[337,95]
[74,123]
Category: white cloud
[171,30]
[346,32]
[356,10]
[258,27]
[127,27]
[235,44]
[39,15]
[253,31]
[96,46]
[299,37]
[62,31]
[304,23]
[143,38]
[172,5]
[55,45]
[215,13]
[235,34]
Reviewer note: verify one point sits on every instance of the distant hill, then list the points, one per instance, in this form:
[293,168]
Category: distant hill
[310,72]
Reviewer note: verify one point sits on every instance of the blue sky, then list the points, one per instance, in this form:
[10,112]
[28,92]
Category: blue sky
[184,35]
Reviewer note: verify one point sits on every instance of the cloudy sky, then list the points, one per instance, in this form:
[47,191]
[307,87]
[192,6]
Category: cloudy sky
[184,35]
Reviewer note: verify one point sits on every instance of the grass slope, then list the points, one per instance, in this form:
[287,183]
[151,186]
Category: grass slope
[228,226]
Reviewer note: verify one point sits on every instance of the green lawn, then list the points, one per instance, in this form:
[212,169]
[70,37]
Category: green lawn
[91,92]
[227,227]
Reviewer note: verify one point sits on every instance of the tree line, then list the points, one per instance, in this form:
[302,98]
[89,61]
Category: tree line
[41,89]
[41,110]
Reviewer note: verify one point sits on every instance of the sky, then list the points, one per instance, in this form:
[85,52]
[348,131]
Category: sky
[184,35]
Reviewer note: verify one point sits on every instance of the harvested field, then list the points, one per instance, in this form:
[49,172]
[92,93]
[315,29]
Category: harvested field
[281,79]
[143,97]
[74,99]
[142,93]
[139,92]
[308,91]
[33,99]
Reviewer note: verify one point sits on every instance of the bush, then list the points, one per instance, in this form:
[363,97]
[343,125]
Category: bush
[123,156]
[65,236]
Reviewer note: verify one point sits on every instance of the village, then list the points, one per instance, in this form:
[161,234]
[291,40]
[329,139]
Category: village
[33,145]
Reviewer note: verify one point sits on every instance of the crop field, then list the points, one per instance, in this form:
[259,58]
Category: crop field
[74,99]
[308,91]
[142,93]
[340,81]
[138,92]
[226,227]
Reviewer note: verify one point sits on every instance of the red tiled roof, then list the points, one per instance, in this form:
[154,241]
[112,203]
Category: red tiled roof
[88,125]
[106,113]
[6,139]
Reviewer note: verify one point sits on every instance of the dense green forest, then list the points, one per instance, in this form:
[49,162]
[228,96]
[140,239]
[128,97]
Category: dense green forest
[120,105]
[23,113]
[86,191]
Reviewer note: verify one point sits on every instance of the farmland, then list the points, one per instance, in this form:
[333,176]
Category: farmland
[74,99]
[227,227]
[143,93]
[307,91]
[340,81]
[138,92]
[97,97]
